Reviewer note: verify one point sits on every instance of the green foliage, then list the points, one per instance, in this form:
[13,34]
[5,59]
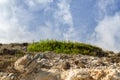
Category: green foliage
[67,47]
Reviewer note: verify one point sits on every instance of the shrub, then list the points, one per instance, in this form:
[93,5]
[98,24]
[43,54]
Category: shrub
[67,47]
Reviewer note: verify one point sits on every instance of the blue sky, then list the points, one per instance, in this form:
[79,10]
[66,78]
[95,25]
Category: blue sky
[92,21]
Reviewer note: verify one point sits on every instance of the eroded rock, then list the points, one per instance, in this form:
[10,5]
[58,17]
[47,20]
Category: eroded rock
[7,76]
[53,67]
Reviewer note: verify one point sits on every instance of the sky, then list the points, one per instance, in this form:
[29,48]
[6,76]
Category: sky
[95,22]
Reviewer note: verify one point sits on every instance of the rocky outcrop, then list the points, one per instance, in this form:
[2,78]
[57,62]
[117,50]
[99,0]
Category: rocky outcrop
[52,66]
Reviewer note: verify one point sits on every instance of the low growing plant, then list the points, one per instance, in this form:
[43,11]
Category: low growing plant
[66,47]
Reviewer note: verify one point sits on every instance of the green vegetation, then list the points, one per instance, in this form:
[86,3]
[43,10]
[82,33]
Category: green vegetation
[67,47]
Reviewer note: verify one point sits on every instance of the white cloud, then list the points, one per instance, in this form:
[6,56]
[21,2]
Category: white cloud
[63,12]
[64,16]
[34,2]
[38,4]
[15,21]
[3,1]
[11,29]
[104,4]
[107,31]
[103,7]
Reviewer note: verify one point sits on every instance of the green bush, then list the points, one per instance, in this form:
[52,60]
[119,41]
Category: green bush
[67,47]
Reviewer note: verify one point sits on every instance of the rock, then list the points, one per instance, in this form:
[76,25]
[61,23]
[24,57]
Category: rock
[115,59]
[110,53]
[12,76]
[27,64]
[113,75]
[51,66]
[76,62]
[1,44]
[90,68]
[9,51]
[91,74]
[44,63]
[77,74]
[118,54]
[106,74]
[97,74]
[7,76]
[24,44]
[40,56]
[66,65]
[22,62]
[79,64]
[100,53]
[42,75]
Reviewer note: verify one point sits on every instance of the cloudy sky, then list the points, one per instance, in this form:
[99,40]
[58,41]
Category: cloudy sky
[92,21]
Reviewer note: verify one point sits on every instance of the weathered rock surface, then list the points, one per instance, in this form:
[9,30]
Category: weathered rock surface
[7,76]
[50,66]
[8,51]
[92,74]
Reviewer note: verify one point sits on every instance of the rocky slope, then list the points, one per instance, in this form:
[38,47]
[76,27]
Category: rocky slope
[51,66]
